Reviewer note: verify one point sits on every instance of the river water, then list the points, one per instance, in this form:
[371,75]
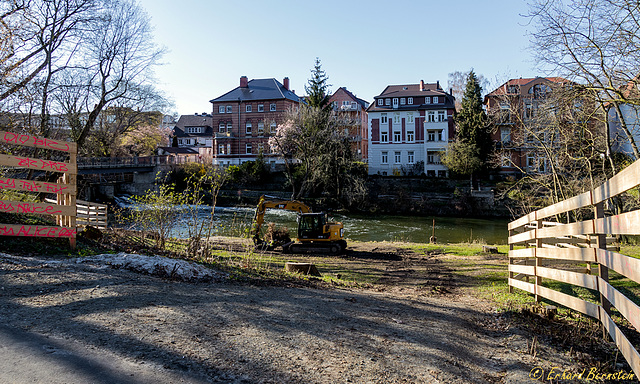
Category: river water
[234,220]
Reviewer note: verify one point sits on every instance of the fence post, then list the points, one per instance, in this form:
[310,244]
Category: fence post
[511,233]
[603,271]
[537,279]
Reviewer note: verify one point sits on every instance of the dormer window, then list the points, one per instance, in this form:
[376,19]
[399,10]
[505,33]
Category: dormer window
[410,101]
[380,102]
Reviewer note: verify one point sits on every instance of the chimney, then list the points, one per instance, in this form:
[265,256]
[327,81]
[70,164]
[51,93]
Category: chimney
[451,91]
[285,82]
[438,85]
[421,85]
[244,82]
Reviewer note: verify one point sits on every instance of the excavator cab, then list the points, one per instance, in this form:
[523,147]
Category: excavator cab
[312,226]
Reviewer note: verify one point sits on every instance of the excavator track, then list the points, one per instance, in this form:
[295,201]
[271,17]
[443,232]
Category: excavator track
[334,248]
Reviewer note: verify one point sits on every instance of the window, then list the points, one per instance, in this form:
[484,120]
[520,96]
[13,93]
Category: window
[440,135]
[260,108]
[229,127]
[354,105]
[221,149]
[512,89]
[260,128]
[397,157]
[221,109]
[433,158]
[248,128]
[180,141]
[505,134]
[431,135]
[228,149]
[410,100]
[272,127]
[427,100]
[387,101]
[248,148]
[395,102]
[260,147]
[410,117]
[396,137]
[431,117]
[442,173]
[410,136]
[380,102]
[435,99]
[410,157]
[248,108]
[221,127]
[384,137]
[403,101]
[383,118]
[505,161]
[441,116]
[396,118]
[229,109]
[272,107]
[385,158]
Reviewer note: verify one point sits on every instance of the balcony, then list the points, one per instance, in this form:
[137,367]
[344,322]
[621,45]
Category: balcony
[224,135]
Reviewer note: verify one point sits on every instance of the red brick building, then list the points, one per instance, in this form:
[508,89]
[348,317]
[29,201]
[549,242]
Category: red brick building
[345,102]
[244,117]
[512,106]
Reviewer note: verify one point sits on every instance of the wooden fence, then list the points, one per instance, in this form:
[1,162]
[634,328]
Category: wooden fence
[581,254]
[88,213]
[65,188]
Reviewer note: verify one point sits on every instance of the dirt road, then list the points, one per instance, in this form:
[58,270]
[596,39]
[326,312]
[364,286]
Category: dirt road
[65,322]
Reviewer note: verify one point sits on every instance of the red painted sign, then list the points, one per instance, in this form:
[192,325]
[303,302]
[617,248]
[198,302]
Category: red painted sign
[32,186]
[41,142]
[36,231]
[21,207]
[45,165]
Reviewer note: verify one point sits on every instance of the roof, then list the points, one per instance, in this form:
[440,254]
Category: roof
[258,89]
[502,90]
[205,121]
[179,150]
[363,103]
[412,90]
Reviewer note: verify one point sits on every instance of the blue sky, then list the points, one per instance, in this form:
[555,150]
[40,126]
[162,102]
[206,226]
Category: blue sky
[363,46]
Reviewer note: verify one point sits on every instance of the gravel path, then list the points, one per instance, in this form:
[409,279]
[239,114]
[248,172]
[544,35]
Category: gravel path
[64,322]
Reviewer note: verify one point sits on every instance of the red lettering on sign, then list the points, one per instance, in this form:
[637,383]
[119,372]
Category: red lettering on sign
[6,231]
[26,231]
[8,183]
[36,141]
[54,188]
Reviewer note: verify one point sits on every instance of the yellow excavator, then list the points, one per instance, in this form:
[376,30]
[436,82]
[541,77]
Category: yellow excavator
[315,233]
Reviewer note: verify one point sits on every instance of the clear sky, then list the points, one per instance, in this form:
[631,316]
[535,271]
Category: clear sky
[363,45]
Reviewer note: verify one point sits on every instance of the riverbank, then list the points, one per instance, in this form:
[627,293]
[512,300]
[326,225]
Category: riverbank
[383,313]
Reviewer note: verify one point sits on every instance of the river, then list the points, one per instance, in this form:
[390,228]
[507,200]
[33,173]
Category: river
[234,220]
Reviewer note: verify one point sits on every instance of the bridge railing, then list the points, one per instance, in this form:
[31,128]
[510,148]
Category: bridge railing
[581,254]
[139,161]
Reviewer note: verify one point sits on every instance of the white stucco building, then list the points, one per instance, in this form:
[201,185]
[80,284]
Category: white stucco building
[409,126]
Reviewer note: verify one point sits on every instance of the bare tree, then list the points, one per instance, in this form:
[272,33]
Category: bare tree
[595,43]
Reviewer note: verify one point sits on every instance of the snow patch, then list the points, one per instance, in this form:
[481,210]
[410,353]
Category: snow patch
[156,265]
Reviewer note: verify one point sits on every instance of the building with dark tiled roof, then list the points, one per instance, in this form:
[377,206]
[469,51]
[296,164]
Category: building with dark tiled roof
[355,109]
[409,126]
[244,117]
[195,132]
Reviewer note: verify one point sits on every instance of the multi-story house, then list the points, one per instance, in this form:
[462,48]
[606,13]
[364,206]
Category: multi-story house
[512,108]
[409,127]
[195,132]
[244,117]
[354,113]
[624,121]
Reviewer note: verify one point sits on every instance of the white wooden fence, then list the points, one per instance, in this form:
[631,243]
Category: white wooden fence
[581,254]
[89,213]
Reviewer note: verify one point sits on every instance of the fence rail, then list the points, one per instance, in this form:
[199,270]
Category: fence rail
[581,254]
[65,189]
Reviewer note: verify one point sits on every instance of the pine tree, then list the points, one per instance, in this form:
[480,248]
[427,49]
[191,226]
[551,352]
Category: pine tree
[317,90]
[471,122]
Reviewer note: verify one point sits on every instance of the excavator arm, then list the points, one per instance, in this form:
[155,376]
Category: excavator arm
[263,205]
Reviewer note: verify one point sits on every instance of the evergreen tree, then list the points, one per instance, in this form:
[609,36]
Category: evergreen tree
[317,90]
[472,125]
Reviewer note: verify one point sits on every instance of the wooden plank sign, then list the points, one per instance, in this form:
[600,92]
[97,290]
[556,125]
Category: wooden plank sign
[65,189]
